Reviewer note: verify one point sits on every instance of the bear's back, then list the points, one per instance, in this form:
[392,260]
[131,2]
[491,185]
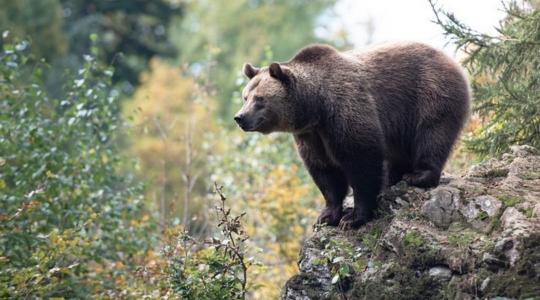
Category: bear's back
[412,84]
[411,75]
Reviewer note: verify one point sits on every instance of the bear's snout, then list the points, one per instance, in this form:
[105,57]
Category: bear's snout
[241,120]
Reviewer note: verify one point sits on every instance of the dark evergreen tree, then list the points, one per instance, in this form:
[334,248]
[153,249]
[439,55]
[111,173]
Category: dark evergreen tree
[505,75]
[129,32]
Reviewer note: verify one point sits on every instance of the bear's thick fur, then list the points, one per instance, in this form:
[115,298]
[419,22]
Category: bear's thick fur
[398,107]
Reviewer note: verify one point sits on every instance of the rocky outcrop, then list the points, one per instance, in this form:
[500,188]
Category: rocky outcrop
[473,237]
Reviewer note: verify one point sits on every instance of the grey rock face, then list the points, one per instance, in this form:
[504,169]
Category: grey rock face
[472,237]
[524,150]
[480,210]
[489,204]
[442,273]
[441,209]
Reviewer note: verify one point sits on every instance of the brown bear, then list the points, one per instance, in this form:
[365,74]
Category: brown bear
[396,107]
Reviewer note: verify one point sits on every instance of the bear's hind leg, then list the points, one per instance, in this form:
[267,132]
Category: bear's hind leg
[433,146]
[395,172]
[425,176]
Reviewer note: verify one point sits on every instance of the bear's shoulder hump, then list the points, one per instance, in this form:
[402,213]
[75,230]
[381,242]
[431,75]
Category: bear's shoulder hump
[313,53]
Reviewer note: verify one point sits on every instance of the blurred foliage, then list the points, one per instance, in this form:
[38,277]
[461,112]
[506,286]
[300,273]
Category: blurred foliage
[170,115]
[40,22]
[288,208]
[227,34]
[461,159]
[130,33]
[505,72]
[71,226]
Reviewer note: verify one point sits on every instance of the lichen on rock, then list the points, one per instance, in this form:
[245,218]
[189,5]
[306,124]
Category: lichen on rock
[473,237]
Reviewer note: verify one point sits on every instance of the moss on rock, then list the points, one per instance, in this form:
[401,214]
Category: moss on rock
[523,280]
[399,282]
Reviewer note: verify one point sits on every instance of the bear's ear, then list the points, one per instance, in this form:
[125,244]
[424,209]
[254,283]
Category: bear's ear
[278,72]
[250,71]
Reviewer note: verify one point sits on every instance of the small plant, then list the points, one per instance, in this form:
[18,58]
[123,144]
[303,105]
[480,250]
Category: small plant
[343,261]
[495,224]
[418,252]
[496,173]
[216,268]
[482,215]
[509,200]
[235,238]
[460,240]
[371,240]
[529,212]
[531,175]
[413,240]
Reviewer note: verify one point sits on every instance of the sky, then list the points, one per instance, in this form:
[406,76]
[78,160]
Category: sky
[399,20]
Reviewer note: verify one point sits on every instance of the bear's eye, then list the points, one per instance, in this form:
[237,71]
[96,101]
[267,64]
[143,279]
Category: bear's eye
[258,99]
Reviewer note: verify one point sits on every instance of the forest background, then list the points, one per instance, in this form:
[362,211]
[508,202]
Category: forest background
[117,141]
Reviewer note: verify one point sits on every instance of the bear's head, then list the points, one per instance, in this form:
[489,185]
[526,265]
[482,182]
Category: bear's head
[268,104]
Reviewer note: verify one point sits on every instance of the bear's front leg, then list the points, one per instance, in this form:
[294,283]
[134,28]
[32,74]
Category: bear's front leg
[333,185]
[330,179]
[365,174]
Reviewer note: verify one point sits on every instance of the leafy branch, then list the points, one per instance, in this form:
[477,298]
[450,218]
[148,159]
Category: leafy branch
[216,268]
[232,228]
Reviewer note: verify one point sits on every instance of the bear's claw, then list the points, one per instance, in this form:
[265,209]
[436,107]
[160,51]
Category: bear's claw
[352,220]
[422,179]
[330,216]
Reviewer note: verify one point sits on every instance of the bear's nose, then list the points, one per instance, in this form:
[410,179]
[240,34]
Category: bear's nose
[239,118]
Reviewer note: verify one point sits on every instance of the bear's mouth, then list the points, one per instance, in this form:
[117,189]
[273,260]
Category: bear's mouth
[253,127]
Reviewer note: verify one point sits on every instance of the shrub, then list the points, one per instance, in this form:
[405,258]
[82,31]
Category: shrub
[71,224]
[216,268]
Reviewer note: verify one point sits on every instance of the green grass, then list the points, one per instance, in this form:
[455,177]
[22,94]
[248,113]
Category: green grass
[508,200]
[482,215]
[460,240]
[531,175]
[496,173]
[413,240]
